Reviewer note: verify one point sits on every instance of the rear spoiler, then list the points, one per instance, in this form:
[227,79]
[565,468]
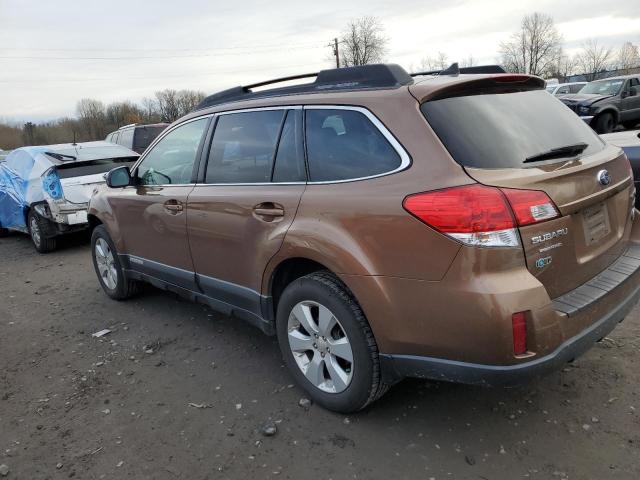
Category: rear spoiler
[491,84]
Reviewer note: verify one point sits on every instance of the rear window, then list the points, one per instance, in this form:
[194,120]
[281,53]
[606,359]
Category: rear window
[145,135]
[344,145]
[93,167]
[126,138]
[503,130]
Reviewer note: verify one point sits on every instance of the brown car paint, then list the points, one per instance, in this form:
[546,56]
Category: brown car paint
[423,293]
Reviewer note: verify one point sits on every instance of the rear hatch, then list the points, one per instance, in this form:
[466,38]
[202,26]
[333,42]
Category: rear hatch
[79,179]
[514,135]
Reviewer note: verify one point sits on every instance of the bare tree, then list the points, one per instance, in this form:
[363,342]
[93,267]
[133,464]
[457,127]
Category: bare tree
[628,57]
[470,61]
[439,62]
[563,66]
[168,105]
[594,58]
[363,42]
[188,100]
[123,113]
[534,48]
[91,114]
[150,112]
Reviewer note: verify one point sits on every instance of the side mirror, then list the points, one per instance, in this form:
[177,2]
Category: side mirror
[119,177]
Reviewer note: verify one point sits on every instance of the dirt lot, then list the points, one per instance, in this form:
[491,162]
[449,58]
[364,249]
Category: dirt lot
[177,391]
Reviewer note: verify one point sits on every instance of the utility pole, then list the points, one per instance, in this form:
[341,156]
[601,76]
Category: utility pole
[336,52]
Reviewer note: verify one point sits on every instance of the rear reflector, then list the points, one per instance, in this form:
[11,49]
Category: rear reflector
[519,324]
[478,215]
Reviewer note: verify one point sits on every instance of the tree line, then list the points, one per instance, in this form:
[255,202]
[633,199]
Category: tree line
[94,120]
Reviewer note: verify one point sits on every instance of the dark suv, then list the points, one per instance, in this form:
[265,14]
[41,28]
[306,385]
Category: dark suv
[604,104]
[136,137]
[460,227]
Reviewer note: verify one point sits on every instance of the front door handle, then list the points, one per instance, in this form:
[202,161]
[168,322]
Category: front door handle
[268,210]
[173,206]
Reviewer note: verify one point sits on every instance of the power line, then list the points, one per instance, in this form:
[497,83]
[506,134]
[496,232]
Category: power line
[235,47]
[225,52]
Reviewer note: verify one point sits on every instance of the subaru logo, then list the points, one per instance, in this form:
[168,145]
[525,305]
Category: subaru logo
[604,178]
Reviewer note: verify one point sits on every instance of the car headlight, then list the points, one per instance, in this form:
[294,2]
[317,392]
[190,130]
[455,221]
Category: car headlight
[583,110]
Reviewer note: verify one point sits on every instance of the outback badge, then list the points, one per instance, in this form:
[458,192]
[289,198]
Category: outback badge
[604,178]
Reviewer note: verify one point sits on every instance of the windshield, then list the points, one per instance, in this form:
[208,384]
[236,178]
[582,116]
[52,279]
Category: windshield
[503,130]
[603,87]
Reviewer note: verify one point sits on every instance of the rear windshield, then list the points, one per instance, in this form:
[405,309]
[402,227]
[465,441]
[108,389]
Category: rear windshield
[93,167]
[503,130]
[145,135]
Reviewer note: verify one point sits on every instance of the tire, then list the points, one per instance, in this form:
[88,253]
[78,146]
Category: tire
[605,123]
[40,233]
[4,232]
[357,383]
[106,263]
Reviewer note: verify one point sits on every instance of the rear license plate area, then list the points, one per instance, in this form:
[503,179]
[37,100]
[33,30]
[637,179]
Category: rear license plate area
[595,221]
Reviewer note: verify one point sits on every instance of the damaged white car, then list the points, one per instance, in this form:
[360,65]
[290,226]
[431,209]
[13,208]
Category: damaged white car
[45,190]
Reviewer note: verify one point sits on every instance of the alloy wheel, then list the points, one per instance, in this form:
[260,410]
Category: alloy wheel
[106,264]
[320,346]
[35,231]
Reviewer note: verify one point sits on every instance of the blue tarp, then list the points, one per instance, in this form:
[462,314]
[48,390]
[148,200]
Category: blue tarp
[15,174]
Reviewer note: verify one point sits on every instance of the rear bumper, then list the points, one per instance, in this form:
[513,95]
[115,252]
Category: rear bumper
[400,366]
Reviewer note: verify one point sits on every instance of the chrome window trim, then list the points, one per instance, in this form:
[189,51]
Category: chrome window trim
[405,159]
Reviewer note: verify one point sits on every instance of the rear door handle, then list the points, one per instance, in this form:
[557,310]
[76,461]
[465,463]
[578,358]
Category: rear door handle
[173,206]
[268,209]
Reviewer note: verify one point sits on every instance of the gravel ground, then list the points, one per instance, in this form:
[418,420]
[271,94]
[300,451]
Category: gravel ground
[178,391]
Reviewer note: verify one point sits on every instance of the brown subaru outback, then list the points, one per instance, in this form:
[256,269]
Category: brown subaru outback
[460,226]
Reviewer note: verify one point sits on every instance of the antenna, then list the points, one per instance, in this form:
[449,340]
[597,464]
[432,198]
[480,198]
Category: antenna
[452,70]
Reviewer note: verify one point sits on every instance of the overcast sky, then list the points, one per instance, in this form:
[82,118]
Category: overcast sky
[52,52]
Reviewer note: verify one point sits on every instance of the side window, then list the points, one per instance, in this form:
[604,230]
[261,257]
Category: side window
[289,166]
[344,144]
[126,138]
[171,159]
[243,147]
[562,90]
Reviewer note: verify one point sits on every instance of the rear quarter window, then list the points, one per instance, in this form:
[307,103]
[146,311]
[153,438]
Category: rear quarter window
[502,130]
[346,145]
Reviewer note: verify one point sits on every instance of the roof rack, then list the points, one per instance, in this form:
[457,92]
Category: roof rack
[377,76]
[127,126]
[454,70]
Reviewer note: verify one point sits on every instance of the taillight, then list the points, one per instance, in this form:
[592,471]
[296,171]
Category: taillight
[478,215]
[519,325]
[530,206]
[51,183]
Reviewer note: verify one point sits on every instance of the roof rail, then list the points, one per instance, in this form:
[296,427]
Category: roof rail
[375,76]
[126,126]
[454,70]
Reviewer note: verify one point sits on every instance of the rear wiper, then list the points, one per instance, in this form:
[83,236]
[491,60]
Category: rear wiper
[60,156]
[560,152]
